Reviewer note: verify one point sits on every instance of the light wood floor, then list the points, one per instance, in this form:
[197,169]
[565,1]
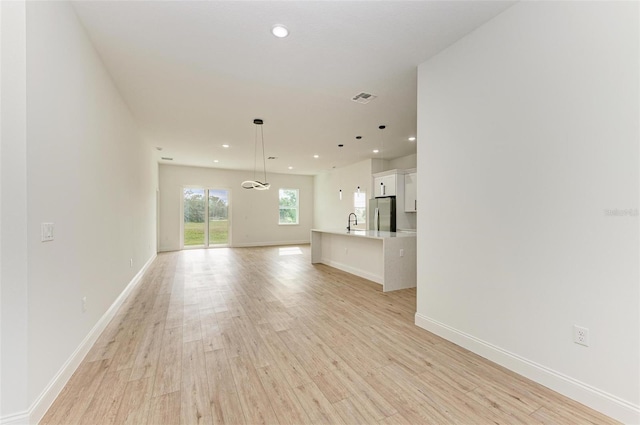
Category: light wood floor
[259,335]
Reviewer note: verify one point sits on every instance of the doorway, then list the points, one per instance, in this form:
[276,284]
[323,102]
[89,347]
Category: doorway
[205,217]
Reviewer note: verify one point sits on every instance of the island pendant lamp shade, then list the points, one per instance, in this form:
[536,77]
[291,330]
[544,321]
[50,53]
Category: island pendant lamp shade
[255,183]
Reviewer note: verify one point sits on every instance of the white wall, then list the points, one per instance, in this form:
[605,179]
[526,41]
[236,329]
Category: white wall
[529,132]
[254,214]
[13,210]
[88,172]
[378,165]
[331,212]
[404,162]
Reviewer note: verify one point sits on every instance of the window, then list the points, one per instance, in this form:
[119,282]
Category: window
[288,206]
[360,206]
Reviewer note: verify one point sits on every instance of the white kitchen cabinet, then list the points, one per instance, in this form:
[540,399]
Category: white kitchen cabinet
[385,185]
[393,185]
[410,192]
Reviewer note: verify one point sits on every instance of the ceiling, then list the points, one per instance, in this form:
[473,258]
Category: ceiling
[196,74]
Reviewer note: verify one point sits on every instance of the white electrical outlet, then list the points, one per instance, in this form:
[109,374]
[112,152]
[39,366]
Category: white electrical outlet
[130,262]
[346,250]
[581,335]
[401,252]
[84,304]
[46,232]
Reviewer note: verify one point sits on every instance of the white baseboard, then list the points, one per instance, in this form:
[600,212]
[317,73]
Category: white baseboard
[258,244]
[594,398]
[48,396]
[246,245]
[20,418]
[358,272]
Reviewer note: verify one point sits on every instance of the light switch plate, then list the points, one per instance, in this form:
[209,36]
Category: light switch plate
[46,230]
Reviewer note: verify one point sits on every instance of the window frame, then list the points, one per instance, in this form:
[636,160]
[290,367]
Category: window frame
[363,217]
[297,207]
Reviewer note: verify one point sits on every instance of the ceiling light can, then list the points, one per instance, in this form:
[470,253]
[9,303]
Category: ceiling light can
[279,31]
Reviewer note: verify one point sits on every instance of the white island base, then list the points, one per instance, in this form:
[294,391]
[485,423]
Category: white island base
[387,258]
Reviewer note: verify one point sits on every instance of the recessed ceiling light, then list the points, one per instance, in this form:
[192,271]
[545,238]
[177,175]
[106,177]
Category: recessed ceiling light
[279,31]
[412,139]
[225,146]
[290,167]
[316,156]
[376,151]
[215,160]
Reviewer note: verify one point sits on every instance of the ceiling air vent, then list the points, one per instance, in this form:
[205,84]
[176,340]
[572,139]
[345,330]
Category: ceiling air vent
[166,158]
[271,157]
[363,97]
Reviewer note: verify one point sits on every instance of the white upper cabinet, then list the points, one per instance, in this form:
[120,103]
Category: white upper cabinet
[393,183]
[385,185]
[410,192]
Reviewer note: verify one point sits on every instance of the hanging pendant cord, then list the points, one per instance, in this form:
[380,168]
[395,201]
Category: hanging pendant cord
[255,184]
[255,154]
[382,127]
[264,160]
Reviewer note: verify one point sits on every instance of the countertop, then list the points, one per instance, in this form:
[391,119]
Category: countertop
[371,234]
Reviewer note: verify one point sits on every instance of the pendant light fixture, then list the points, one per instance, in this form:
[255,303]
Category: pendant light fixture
[255,184]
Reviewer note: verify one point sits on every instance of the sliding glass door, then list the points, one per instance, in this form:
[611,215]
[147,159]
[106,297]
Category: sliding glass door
[218,217]
[205,217]
[194,217]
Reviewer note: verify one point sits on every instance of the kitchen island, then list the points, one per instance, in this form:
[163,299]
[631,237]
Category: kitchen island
[387,258]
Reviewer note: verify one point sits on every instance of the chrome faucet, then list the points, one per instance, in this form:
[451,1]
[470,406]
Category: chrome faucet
[349,221]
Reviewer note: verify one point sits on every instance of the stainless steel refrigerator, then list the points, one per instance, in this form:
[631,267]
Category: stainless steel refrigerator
[382,214]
